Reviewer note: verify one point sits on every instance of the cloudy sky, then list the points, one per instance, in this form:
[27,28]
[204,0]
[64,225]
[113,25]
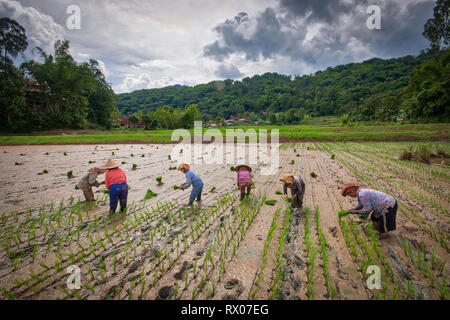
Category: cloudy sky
[155,43]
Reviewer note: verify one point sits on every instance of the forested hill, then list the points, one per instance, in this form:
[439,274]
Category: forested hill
[345,89]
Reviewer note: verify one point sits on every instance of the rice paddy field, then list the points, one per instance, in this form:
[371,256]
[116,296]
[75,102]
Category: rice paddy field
[224,249]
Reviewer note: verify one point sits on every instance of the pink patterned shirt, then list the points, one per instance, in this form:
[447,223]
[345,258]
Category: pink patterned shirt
[371,200]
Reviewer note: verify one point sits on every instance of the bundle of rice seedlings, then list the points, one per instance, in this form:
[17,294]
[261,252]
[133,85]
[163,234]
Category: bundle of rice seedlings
[313,175]
[271,202]
[150,194]
[343,213]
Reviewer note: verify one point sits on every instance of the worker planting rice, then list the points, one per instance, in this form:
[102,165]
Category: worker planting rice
[88,181]
[382,206]
[116,183]
[195,181]
[297,186]
[244,180]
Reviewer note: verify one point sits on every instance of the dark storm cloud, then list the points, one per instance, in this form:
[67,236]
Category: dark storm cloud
[265,40]
[341,33]
[228,71]
[324,10]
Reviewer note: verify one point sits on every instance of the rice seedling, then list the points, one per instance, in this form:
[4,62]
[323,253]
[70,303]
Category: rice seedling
[123,162]
[271,202]
[343,213]
[70,175]
[233,168]
[159,180]
[105,191]
[18,164]
[172,168]
[292,162]
[298,156]
[134,167]
[213,189]
[313,175]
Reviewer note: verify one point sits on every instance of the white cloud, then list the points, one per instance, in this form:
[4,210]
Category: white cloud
[41,30]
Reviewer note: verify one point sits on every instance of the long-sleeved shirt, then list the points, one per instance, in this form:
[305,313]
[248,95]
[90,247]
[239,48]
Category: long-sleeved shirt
[88,180]
[115,176]
[298,187]
[191,178]
[243,175]
[373,201]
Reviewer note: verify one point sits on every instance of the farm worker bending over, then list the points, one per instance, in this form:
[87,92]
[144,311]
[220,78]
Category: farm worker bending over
[382,206]
[197,183]
[297,186]
[244,179]
[116,183]
[88,181]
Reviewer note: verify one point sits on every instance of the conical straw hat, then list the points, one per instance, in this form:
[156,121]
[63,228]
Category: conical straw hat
[111,164]
[184,166]
[287,178]
[242,166]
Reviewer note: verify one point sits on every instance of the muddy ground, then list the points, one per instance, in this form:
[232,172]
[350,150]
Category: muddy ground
[24,187]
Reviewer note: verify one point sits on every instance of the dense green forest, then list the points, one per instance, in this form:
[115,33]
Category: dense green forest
[55,92]
[366,91]
[58,92]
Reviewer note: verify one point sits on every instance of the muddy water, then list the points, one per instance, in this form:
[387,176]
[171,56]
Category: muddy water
[24,186]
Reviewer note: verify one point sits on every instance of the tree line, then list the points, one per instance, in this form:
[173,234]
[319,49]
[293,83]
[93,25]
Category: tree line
[411,88]
[56,92]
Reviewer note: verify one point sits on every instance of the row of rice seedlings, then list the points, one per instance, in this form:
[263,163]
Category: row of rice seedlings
[190,236]
[233,236]
[260,273]
[93,244]
[278,270]
[427,265]
[324,253]
[411,215]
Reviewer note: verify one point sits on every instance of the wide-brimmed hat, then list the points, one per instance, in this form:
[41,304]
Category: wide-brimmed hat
[288,178]
[243,166]
[345,191]
[184,166]
[111,164]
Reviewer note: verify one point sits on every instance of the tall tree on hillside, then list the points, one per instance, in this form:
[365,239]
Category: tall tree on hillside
[102,100]
[13,40]
[437,30]
[67,84]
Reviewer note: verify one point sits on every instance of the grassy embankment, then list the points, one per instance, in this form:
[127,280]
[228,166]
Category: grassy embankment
[319,130]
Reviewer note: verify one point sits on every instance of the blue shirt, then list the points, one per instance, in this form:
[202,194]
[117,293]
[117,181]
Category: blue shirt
[192,178]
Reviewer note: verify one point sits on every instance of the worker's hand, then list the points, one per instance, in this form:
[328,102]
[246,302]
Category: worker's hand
[295,196]
[182,187]
[353,212]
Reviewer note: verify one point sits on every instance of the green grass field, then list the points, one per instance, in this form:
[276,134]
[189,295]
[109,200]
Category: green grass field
[330,131]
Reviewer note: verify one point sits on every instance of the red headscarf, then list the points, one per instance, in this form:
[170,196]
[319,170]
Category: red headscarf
[348,188]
